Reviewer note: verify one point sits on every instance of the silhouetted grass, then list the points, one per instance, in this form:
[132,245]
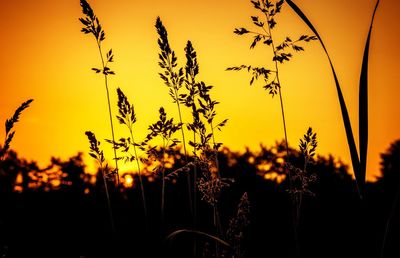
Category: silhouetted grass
[198,99]
[127,116]
[9,125]
[173,79]
[281,53]
[165,129]
[359,162]
[92,26]
[98,155]
[195,95]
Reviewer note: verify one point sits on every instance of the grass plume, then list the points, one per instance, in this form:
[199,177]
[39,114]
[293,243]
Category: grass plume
[9,125]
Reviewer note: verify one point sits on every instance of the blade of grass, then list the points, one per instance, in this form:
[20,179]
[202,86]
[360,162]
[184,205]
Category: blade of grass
[363,104]
[200,233]
[345,115]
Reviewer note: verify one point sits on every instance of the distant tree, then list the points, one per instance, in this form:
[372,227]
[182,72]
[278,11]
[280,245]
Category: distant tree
[390,166]
[14,172]
[73,172]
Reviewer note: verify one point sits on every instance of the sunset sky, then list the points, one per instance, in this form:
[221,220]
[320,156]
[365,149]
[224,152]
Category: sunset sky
[47,58]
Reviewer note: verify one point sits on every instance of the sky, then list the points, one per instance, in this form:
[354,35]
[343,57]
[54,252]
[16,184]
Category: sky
[47,58]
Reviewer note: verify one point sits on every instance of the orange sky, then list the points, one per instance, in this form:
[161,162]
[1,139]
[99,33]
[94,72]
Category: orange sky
[46,57]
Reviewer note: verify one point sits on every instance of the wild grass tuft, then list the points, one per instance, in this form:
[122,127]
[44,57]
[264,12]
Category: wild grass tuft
[9,125]
[302,178]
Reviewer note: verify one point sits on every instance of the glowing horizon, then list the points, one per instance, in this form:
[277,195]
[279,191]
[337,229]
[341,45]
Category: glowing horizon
[47,58]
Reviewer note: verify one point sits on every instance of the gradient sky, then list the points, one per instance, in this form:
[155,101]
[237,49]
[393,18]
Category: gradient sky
[47,58]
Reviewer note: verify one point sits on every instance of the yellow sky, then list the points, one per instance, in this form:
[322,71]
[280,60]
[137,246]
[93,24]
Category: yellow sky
[46,57]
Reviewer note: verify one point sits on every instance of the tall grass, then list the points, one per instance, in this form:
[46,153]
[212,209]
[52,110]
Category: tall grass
[98,155]
[281,53]
[92,26]
[165,129]
[127,116]
[198,99]
[9,125]
[189,100]
[302,177]
[173,79]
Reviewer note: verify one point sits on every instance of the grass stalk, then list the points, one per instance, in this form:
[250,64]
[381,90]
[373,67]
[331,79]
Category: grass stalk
[140,179]
[163,184]
[281,53]
[164,128]
[127,117]
[188,179]
[98,155]
[173,79]
[280,96]
[109,113]
[92,26]
[109,208]
[358,161]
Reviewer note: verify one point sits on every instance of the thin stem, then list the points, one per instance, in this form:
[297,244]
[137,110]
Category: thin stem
[175,87]
[110,114]
[295,204]
[215,150]
[184,149]
[140,179]
[194,197]
[108,200]
[217,226]
[284,122]
[163,184]
[280,97]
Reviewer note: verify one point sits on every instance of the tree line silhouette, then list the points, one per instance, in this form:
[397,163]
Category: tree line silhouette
[61,210]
